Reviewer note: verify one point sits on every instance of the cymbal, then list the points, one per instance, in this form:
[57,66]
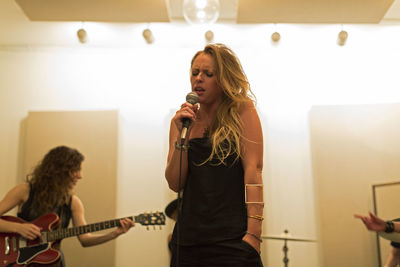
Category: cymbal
[289,238]
[390,236]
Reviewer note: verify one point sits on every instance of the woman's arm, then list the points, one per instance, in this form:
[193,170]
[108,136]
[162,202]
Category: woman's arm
[393,258]
[172,170]
[16,197]
[252,158]
[173,161]
[376,224]
[88,239]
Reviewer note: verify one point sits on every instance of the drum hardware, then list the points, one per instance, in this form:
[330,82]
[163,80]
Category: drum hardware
[286,237]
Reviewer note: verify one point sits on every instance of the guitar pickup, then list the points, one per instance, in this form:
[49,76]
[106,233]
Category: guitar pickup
[14,243]
[22,242]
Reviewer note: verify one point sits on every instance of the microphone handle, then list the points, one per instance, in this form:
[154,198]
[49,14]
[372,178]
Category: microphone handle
[183,134]
[185,123]
[191,98]
[185,126]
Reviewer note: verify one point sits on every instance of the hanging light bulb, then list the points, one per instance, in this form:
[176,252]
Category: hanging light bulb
[201,11]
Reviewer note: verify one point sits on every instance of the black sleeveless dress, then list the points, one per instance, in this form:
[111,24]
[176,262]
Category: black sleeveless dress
[214,214]
[64,212]
[213,205]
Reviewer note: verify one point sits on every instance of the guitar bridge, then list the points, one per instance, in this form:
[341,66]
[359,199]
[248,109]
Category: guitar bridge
[43,237]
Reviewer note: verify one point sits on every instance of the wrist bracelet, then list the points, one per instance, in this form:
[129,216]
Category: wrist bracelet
[389,227]
[255,236]
[181,147]
[257,217]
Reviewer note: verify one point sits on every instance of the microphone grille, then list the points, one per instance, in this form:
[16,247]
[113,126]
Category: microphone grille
[192,98]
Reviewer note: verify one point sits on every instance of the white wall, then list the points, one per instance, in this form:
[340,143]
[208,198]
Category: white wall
[43,67]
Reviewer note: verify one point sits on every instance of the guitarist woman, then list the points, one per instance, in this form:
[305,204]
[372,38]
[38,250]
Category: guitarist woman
[50,188]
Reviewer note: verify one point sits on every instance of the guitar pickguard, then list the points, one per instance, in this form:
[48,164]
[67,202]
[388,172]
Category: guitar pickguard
[26,254]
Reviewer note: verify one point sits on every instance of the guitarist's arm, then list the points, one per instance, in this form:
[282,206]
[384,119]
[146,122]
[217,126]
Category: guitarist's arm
[16,197]
[89,239]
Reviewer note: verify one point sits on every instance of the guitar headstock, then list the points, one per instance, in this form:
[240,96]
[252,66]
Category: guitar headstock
[151,218]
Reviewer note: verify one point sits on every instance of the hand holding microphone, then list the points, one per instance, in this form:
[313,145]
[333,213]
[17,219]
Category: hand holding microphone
[191,98]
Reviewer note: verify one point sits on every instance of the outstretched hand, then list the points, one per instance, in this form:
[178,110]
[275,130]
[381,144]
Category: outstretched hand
[373,223]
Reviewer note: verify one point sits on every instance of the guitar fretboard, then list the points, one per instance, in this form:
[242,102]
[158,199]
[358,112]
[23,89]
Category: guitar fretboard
[94,227]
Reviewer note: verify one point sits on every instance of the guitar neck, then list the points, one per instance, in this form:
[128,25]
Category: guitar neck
[94,227]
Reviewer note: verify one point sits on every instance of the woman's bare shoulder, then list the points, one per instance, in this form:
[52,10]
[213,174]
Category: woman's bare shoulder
[76,202]
[22,189]
[247,106]
[18,195]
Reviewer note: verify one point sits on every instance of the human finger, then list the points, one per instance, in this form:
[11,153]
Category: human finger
[185,113]
[126,224]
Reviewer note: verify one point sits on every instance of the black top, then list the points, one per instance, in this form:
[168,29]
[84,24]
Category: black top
[395,244]
[213,204]
[29,214]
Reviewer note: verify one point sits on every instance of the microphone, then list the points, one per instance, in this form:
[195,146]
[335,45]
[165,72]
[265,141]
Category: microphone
[191,98]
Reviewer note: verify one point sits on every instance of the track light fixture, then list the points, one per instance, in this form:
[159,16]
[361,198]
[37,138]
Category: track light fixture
[82,35]
[148,36]
[275,37]
[342,37]
[209,35]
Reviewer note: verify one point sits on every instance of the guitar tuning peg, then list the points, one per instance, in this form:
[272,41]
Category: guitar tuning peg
[160,227]
[154,227]
[147,227]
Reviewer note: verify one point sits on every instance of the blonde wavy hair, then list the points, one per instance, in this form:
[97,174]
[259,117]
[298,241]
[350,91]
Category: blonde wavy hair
[51,179]
[225,131]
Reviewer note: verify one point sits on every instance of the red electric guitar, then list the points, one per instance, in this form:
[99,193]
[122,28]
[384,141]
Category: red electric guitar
[18,251]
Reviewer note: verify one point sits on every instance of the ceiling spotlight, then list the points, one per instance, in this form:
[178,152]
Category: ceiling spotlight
[275,37]
[342,37]
[82,35]
[209,36]
[148,36]
[201,11]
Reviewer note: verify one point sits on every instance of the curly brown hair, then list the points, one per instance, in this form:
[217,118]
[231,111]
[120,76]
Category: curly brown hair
[51,179]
